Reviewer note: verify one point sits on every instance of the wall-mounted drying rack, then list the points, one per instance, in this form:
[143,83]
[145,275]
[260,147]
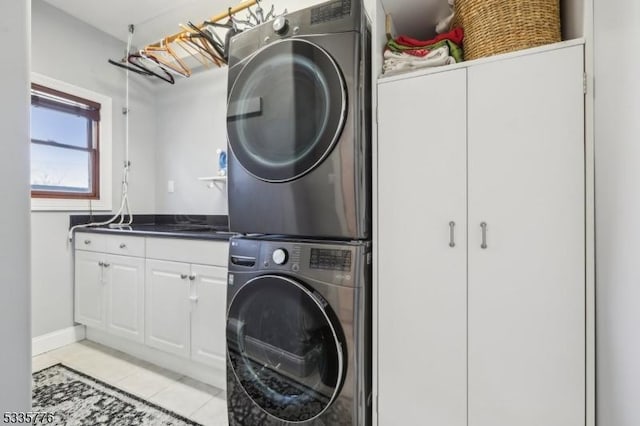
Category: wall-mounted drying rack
[201,42]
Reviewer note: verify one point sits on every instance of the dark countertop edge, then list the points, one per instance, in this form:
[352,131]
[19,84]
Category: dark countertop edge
[159,219]
[212,236]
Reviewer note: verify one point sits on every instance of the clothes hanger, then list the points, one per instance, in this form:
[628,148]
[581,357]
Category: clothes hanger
[196,41]
[175,65]
[123,64]
[201,44]
[145,63]
[194,53]
[219,48]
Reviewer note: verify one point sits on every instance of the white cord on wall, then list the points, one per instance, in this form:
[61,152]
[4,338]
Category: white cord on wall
[124,204]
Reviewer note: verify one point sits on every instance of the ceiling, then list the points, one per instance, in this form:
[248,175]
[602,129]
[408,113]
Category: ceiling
[156,18]
[153,18]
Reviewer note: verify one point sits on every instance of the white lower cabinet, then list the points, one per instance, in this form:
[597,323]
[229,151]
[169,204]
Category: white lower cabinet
[167,306]
[208,315]
[109,293]
[185,306]
[482,301]
[89,303]
[125,296]
[164,303]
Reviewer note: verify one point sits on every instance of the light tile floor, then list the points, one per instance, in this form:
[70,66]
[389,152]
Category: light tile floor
[197,401]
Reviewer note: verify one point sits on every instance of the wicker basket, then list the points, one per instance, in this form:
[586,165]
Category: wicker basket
[499,26]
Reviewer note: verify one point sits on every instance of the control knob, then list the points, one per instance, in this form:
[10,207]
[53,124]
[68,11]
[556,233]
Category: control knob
[280,25]
[279,256]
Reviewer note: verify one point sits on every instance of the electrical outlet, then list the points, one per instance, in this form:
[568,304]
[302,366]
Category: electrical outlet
[171,187]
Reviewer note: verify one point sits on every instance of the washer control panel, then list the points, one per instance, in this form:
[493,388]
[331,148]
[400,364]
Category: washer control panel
[280,256]
[329,262]
[330,259]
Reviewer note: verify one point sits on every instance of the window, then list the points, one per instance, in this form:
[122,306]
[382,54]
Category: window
[70,147]
[64,145]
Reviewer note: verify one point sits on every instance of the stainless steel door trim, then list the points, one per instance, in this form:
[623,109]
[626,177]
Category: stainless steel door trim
[343,108]
[322,308]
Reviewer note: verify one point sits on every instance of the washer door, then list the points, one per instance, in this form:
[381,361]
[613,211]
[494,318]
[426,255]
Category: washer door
[286,110]
[284,348]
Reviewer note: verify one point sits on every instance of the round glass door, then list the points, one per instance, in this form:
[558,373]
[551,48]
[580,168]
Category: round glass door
[286,110]
[283,348]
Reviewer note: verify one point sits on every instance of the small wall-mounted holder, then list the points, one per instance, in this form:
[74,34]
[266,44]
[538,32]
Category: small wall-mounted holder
[214,181]
[222,162]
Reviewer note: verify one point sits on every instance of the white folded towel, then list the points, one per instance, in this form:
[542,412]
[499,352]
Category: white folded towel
[396,62]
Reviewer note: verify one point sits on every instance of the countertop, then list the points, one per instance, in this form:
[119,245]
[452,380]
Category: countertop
[199,232]
[198,227]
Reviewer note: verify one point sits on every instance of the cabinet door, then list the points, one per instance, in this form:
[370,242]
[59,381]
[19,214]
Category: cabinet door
[167,306]
[422,277]
[89,289]
[527,287]
[208,317]
[125,296]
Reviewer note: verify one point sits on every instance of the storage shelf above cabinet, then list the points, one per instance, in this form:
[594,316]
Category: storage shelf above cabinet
[489,59]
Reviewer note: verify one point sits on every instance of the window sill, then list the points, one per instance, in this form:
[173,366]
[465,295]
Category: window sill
[51,204]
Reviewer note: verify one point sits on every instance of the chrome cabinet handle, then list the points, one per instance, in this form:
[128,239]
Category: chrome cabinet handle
[192,277]
[106,265]
[87,242]
[483,225]
[123,245]
[184,276]
[101,263]
[452,237]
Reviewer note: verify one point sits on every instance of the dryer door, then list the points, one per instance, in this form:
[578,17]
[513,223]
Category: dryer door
[286,110]
[285,348]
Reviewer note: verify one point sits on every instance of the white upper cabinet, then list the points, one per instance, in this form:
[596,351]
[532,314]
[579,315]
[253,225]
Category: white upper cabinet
[423,251]
[482,323]
[527,286]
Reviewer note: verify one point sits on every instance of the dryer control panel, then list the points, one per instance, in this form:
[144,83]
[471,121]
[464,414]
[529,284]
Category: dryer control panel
[330,11]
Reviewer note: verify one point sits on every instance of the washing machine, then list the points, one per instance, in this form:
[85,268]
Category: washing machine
[298,334]
[298,125]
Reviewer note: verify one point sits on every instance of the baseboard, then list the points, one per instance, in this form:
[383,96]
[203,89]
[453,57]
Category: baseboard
[211,375]
[57,339]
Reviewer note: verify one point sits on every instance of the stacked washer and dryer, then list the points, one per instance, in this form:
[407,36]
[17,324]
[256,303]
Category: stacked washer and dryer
[299,190]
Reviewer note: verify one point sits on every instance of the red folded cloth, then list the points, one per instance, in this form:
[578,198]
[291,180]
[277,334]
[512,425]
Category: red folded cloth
[455,35]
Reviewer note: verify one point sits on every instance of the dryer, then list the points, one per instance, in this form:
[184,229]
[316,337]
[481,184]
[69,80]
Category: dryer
[298,125]
[298,334]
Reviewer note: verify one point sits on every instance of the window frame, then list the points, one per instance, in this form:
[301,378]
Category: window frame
[92,148]
[101,199]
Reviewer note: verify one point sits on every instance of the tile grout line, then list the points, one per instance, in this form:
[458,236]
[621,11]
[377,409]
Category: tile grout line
[199,408]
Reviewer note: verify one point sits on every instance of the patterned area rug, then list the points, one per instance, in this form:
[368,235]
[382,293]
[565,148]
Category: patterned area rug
[78,399]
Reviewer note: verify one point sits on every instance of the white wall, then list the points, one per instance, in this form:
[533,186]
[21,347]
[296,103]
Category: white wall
[71,51]
[15,313]
[617,133]
[191,126]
